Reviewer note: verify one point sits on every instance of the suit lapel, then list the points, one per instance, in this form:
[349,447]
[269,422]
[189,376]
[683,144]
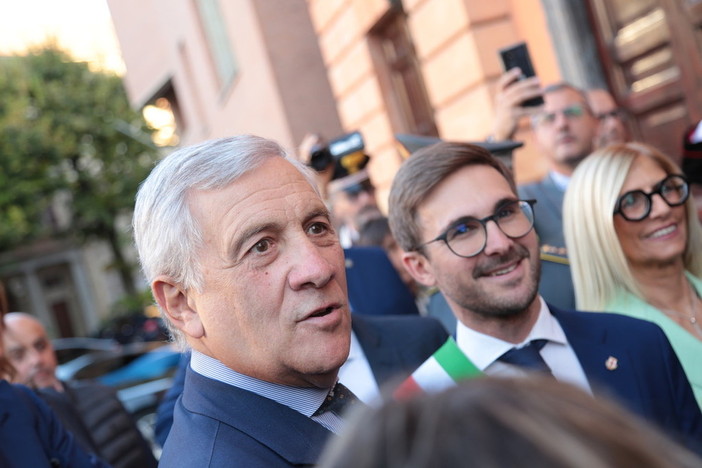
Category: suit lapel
[383,359]
[293,436]
[607,364]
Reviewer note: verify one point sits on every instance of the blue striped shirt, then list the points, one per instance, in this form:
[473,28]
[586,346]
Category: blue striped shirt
[304,400]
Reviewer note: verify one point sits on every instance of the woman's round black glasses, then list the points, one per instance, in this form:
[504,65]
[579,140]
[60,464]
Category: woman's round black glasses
[636,204]
[468,237]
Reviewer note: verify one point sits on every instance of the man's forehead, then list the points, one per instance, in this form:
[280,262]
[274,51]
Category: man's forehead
[563,96]
[484,186]
[601,100]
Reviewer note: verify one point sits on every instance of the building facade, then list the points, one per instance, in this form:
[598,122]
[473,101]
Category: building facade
[283,68]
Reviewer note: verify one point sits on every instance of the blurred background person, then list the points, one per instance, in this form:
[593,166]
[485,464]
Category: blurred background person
[91,411]
[340,167]
[692,163]
[30,433]
[612,126]
[430,301]
[636,246]
[499,422]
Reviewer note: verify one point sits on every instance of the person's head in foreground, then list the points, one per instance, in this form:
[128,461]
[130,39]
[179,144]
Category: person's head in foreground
[495,422]
[627,211]
[243,261]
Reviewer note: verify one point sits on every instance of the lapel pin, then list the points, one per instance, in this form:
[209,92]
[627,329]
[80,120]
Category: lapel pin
[611,363]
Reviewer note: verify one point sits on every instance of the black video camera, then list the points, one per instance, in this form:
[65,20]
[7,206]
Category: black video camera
[345,152]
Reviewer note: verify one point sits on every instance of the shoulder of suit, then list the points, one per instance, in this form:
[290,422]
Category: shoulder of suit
[610,319]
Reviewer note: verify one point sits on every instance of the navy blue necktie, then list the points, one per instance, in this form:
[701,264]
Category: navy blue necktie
[528,357]
[337,401]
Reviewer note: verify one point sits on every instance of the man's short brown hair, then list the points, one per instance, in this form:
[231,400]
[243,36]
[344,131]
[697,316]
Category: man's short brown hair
[421,173]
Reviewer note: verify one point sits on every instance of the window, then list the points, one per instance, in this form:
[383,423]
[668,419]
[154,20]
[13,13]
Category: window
[400,76]
[216,34]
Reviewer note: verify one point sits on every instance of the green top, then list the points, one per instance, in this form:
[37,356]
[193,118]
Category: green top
[686,346]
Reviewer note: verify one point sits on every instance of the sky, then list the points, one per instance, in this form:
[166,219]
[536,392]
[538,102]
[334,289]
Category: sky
[81,26]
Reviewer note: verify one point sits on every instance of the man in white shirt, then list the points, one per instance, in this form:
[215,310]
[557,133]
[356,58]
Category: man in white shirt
[455,211]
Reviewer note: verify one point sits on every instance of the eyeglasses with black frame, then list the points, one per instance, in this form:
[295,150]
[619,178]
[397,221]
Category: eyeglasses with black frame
[636,204]
[468,237]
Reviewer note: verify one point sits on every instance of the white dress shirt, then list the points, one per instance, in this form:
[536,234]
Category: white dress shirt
[357,376]
[484,350]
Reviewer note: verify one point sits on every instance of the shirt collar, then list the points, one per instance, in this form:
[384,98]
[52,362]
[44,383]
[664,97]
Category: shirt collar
[302,399]
[561,180]
[483,349]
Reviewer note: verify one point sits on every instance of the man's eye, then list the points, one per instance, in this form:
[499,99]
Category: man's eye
[463,229]
[318,228]
[261,246]
[506,211]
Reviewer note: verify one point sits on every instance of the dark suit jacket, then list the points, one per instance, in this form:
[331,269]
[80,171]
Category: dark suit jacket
[374,286]
[235,427]
[556,285]
[32,436]
[396,346]
[647,379]
[100,423]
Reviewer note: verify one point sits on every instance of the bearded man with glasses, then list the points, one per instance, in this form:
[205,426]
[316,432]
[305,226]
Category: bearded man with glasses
[455,211]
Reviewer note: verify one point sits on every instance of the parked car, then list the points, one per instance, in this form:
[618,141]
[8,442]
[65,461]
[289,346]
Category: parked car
[140,371]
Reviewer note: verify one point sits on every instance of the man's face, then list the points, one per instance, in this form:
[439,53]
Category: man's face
[565,129]
[502,280]
[611,128]
[349,202]
[30,351]
[274,301]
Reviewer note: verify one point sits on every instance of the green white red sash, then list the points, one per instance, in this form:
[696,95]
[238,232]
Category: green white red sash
[443,369]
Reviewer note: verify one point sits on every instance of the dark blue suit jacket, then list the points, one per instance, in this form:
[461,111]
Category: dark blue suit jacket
[236,427]
[647,379]
[374,286]
[32,436]
[396,346]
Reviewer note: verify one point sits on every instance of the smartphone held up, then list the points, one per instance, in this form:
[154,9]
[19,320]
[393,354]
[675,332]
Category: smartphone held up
[517,55]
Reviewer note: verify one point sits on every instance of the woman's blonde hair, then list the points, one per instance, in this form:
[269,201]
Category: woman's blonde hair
[598,264]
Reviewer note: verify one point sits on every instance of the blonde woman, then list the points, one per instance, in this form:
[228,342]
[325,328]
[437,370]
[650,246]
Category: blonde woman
[635,245]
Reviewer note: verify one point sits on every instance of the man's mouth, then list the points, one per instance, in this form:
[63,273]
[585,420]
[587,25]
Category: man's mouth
[322,312]
[504,271]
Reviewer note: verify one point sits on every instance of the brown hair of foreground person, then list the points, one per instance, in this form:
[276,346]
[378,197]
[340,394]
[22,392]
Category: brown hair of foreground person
[496,422]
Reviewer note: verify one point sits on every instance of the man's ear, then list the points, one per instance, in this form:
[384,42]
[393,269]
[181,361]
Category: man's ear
[176,303]
[418,266]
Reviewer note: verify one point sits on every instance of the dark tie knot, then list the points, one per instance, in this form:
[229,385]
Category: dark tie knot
[528,356]
[337,401]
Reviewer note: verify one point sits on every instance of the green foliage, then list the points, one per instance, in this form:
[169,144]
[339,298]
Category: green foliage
[132,304]
[62,134]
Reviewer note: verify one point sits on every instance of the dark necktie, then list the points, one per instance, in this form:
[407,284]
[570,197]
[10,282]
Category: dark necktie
[528,357]
[337,401]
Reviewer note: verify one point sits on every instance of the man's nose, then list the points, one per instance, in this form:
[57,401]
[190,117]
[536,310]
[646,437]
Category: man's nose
[311,265]
[496,242]
[561,121]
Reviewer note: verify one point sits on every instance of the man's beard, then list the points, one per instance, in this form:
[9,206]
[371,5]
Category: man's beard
[481,303]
